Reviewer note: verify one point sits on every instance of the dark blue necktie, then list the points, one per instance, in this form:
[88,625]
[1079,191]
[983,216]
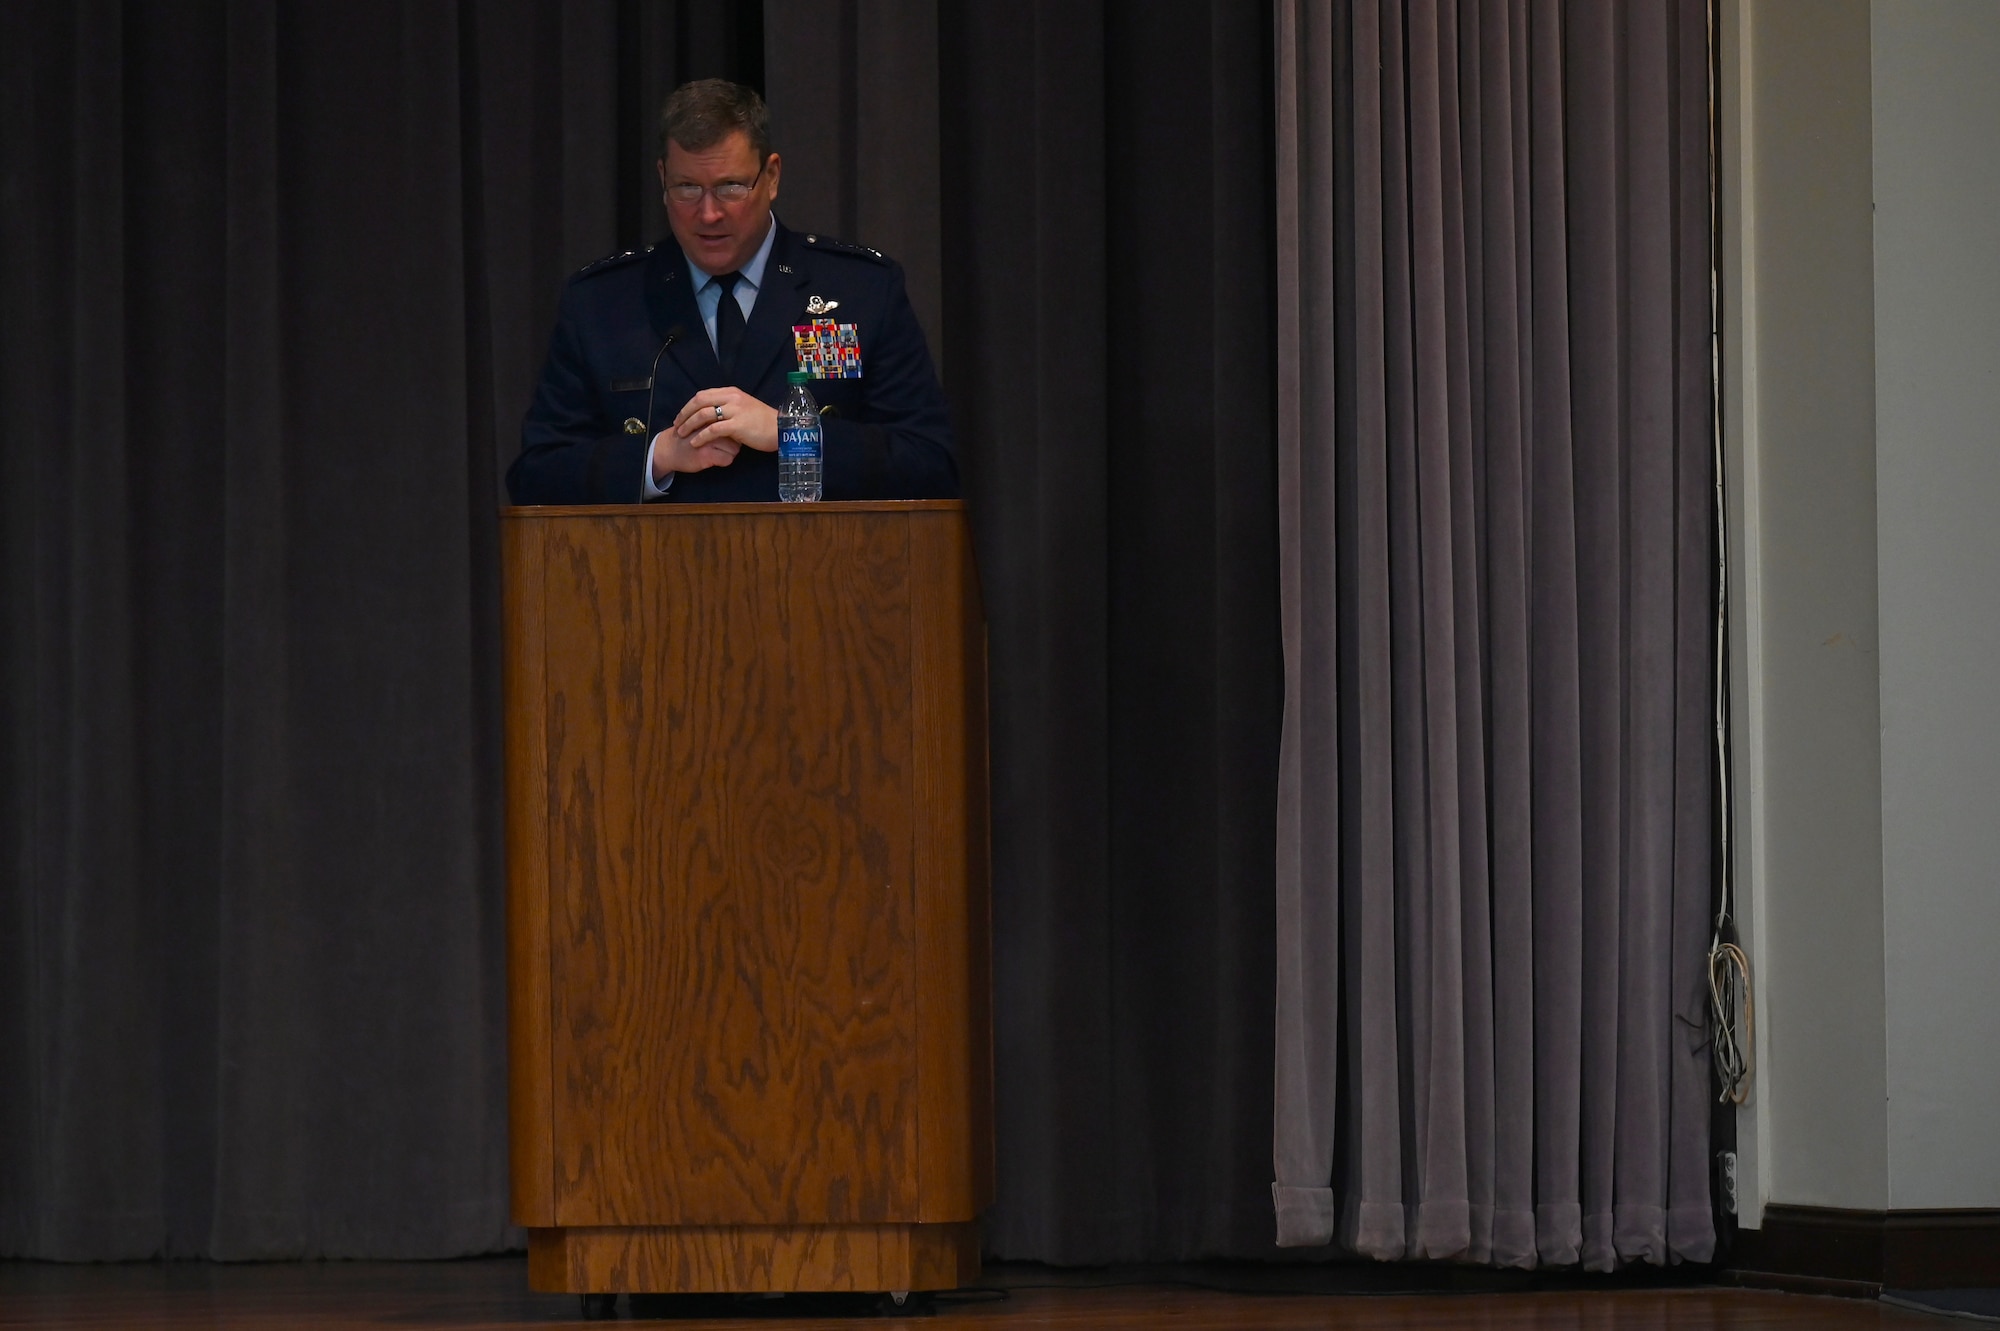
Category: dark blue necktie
[728,321]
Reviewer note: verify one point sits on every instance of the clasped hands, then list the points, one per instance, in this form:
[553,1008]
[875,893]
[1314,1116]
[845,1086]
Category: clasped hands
[703,436]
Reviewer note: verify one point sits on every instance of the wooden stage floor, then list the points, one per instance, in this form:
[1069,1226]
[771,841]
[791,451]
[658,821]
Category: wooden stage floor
[492,1293]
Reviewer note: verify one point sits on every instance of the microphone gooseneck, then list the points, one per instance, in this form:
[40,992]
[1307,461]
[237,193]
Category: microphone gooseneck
[653,379]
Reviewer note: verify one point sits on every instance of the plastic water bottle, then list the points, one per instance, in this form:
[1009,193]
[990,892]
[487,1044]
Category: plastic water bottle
[801,444]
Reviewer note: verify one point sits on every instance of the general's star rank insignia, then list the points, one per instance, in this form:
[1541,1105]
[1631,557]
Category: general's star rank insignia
[828,350]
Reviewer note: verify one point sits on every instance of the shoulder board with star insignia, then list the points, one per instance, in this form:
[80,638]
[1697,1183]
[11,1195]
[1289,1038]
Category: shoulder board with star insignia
[829,245]
[612,261]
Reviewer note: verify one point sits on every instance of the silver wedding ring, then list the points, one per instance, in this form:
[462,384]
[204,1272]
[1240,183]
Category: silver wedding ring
[718,411]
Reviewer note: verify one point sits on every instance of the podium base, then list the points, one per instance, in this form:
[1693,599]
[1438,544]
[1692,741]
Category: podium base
[747,1259]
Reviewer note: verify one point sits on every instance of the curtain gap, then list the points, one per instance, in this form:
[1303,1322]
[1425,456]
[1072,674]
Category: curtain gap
[748,40]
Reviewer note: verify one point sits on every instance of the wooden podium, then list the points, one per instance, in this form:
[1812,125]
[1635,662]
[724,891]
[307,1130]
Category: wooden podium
[748,982]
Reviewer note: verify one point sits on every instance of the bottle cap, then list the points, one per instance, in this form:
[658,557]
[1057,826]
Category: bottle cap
[797,377]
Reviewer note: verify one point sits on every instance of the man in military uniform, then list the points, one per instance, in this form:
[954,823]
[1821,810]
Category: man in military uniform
[668,365]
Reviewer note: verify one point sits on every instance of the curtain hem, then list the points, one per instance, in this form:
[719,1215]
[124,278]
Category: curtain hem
[1305,1216]
[1376,1229]
[1691,1234]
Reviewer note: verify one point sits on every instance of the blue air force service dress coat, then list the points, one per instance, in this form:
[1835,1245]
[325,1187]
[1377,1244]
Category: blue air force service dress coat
[600,401]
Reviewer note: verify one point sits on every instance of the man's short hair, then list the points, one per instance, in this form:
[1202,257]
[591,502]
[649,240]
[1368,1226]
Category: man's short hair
[701,114]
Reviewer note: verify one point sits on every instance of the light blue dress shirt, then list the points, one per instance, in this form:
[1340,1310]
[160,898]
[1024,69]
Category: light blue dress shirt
[708,299]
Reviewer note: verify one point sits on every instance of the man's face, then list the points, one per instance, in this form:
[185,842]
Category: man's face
[719,234]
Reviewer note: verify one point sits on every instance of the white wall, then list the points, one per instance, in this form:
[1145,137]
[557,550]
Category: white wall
[1799,287]
[1936,93]
[1862,391]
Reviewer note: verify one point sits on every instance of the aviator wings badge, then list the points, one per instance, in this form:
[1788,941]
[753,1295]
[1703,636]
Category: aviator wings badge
[821,305]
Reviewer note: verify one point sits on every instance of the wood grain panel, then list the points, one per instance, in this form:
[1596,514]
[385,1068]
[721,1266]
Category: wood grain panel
[948,692]
[530,1094]
[749,1259]
[943,1256]
[978,849]
[728,720]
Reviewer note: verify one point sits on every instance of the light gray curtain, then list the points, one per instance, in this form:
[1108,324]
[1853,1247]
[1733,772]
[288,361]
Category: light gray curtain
[1494,824]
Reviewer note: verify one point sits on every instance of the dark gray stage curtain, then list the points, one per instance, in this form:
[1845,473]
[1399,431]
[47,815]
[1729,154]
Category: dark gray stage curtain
[1108,280]
[275,280]
[853,90]
[1494,827]
[1081,194]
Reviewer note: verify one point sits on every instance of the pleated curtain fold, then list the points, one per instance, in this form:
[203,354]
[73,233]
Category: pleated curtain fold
[1496,535]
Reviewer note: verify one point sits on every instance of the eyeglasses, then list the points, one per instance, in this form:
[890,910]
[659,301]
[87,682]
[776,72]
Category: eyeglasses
[688,193]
